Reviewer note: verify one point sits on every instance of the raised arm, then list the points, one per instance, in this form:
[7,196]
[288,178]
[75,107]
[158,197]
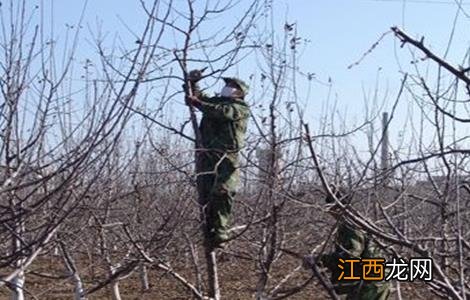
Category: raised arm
[229,111]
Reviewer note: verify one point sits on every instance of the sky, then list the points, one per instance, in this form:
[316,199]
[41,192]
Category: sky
[342,31]
[339,31]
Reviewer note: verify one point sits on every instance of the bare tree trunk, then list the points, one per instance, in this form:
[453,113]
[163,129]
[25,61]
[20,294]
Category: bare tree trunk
[72,268]
[18,285]
[384,160]
[398,287]
[195,261]
[211,261]
[115,293]
[19,280]
[144,279]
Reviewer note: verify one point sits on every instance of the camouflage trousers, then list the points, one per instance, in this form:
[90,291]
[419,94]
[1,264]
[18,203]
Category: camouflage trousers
[354,289]
[352,243]
[217,181]
[363,290]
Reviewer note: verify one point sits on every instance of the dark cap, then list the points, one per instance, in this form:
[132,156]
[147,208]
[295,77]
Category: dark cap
[240,83]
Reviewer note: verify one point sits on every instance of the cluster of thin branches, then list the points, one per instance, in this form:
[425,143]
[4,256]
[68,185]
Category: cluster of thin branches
[100,183]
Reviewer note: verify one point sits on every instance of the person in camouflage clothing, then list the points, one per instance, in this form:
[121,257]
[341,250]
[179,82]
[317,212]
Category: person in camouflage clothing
[223,127]
[351,243]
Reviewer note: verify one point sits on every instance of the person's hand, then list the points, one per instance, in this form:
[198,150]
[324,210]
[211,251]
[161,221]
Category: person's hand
[322,260]
[308,261]
[195,75]
[192,101]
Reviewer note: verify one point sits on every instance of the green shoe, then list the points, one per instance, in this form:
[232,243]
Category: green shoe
[219,241]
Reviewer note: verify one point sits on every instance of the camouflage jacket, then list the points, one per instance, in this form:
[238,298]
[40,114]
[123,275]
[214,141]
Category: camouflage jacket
[224,122]
[350,243]
[353,243]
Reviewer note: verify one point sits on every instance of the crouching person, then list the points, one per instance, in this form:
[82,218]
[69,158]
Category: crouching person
[351,244]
